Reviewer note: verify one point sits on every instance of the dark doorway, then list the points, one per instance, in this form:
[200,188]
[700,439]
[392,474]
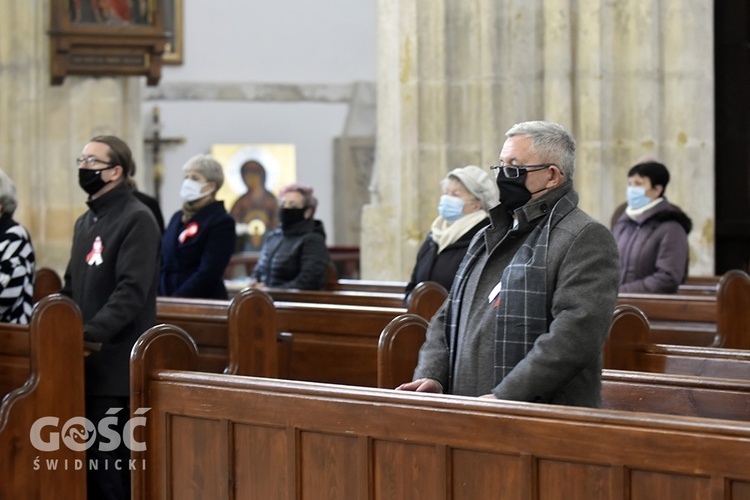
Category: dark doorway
[732,73]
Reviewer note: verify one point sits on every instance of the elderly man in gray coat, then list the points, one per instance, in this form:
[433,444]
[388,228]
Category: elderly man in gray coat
[532,303]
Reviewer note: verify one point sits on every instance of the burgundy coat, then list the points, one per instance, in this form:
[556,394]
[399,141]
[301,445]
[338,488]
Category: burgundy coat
[653,249]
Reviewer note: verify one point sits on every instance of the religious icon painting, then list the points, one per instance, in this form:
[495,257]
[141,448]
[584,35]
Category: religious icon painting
[254,174]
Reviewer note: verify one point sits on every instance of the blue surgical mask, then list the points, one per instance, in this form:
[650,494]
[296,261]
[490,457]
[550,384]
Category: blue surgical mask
[451,208]
[637,197]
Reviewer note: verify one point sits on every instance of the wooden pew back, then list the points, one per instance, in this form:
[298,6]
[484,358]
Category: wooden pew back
[720,320]
[629,347]
[705,397]
[47,355]
[327,342]
[221,436]
[704,285]
[733,308]
[46,282]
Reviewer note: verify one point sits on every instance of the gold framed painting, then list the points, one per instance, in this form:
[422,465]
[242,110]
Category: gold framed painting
[253,176]
[173,25]
[107,37]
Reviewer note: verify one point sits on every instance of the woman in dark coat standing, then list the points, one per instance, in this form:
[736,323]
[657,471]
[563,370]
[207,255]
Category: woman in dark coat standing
[468,193]
[651,234]
[294,255]
[200,238]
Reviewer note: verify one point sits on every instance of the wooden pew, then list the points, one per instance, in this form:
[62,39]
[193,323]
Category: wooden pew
[684,395]
[306,341]
[398,352]
[722,320]
[691,317]
[629,347]
[46,282]
[425,300]
[369,286]
[222,436]
[707,285]
[41,375]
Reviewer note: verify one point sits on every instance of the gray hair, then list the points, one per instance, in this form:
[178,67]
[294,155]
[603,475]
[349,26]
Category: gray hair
[208,167]
[550,142]
[8,198]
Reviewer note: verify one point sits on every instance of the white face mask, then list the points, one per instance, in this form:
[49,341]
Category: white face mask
[191,190]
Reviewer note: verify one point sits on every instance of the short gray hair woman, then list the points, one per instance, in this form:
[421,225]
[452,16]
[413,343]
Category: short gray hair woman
[200,239]
[17,264]
[8,198]
[208,167]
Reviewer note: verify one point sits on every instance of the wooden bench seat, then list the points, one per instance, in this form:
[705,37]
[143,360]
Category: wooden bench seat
[221,436]
[41,375]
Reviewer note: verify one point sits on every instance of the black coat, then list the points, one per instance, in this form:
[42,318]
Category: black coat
[114,287]
[442,267]
[294,257]
[195,267]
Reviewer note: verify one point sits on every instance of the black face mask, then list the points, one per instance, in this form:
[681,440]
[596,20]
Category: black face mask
[513,192]
[289,216]
[91,180]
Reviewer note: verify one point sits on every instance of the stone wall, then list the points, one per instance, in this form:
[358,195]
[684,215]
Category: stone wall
[628,79]
[43,128]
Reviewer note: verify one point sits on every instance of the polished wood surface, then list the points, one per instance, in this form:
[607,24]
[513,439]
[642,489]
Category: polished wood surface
[328,341]
[720,320]
[46,282]
[221,436]
[41,375]
[630,346]
[655,392]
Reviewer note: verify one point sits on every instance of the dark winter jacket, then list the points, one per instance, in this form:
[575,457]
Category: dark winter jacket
[196,254]
[442,267]
[294,257]
[113,276]
[653,249]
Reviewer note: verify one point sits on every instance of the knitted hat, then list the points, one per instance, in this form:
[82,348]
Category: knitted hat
[479,183]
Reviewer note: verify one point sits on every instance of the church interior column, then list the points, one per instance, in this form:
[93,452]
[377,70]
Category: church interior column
[628,79]
[43,128]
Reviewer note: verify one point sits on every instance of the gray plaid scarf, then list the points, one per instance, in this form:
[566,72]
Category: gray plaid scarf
[522,309]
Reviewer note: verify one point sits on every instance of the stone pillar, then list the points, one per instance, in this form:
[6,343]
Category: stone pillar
[626,78]
[43,128]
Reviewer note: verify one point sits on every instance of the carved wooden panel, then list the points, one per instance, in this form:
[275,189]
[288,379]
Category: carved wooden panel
[110,37]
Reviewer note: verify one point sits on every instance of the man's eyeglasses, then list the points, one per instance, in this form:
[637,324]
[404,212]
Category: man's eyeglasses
[91,161]
[513,172]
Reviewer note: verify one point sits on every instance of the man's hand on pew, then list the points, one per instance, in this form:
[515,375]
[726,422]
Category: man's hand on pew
[422,385]
[257,284]
[89,347]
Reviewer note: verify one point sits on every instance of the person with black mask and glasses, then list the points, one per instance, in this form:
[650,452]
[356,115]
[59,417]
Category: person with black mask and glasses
[112,275]
[294,255]
[532,304]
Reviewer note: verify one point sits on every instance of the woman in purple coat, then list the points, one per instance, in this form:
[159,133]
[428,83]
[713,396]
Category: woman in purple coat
[651,234]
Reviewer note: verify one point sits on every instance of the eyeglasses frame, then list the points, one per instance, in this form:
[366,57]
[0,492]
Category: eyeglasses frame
[91,161]
[496,169]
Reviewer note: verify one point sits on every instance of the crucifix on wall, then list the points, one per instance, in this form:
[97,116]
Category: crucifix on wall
[156,141]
